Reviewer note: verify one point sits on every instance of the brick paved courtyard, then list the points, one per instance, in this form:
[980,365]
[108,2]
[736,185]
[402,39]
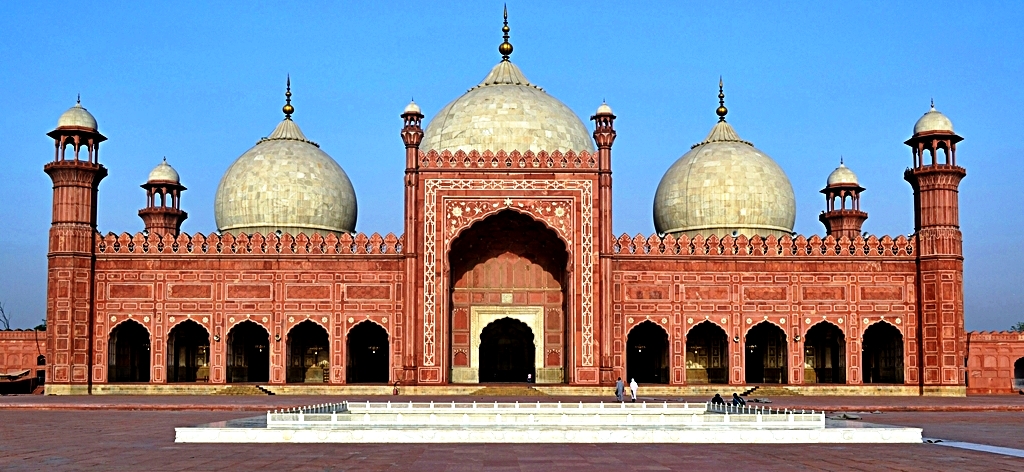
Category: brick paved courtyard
[67,438]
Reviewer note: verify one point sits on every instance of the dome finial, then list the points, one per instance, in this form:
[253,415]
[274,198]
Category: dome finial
[505,48]
[840,160]
[933,103]
[288,109]
[722,110]
[78,101]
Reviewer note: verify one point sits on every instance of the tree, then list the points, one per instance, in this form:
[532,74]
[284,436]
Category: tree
[5,319]
[1019,327]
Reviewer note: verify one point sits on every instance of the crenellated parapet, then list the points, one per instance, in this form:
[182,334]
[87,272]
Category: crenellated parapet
[502,160]
[996,336]
[786,246]
[242,245]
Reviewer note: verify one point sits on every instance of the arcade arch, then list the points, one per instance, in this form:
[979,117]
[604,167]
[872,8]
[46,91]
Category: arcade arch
[248,353]
[128,353]
[647,354]
[882,354]
[368,354]
[766,354]
[308,354]
[707,354]
[1018,374]
[507,351]
[824,354]
[188,353]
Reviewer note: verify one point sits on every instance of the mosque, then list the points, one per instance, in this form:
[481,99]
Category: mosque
[507,269]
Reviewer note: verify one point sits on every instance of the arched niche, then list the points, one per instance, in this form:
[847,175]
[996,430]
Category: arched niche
[369,354]
[882,354]
[507,351]
[647,359]
[308,348]
[824,354]
[707,354]
[766,355]
[248,353]
[188,353]
[129,353]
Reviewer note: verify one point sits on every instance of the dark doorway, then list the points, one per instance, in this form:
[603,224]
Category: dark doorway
[883,354]
[506,351]
[308,354]
[707,355]
[647,354]
[248,353]
[1018,374]
[368,354]
[824,354]
[766,354]
[188,353]
[128,353]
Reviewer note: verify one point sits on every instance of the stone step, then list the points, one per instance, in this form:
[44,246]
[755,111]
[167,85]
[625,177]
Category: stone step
[243,390]
[509,391]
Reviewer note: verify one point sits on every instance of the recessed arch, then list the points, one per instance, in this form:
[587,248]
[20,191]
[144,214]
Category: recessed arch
[1018,374]
[707,354]
[824,354]
[367,320]
[369,353]
[882,354]
[248,344]
[188,352]
[647,359]
[766,356]
[128,352]
[507,351]
[485,215]
[308,348]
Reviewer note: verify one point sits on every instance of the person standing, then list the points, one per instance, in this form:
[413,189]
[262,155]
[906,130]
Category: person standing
[619,389]
[633,387]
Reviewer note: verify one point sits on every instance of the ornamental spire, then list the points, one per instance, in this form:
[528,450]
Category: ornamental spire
[288,109]
[505,48]
[722,110]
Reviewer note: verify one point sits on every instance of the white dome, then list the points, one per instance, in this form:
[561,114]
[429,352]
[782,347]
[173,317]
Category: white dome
[77,117]
[285,183]
[164,173]
[722,186]
[933,120]
[506,112]
[604,109]
[842,175]
[412,107]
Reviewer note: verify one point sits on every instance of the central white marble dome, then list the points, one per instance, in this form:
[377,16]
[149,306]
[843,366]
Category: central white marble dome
[506,112]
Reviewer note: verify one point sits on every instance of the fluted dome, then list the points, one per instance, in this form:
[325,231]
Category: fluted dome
[933,120]
[724,186]
[285,183]
[842,175]
[506,112]
[163,172]
[77,117]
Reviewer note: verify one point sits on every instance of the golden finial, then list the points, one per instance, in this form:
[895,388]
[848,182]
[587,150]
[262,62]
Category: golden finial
[288,109]
[505,48]
[722,110]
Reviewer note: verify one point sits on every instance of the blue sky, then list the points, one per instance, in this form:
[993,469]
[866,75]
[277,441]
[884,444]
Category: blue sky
[806,82]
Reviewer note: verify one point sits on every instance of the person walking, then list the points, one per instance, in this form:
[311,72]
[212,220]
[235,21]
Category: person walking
[632,388]
[619,389]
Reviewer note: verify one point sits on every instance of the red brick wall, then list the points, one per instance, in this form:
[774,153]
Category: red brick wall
[990,360]
[20,350]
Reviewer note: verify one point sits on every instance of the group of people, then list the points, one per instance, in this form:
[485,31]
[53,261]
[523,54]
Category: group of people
[736,400]
[620,389]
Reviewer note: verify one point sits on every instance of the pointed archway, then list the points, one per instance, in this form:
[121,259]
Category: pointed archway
[248,353]
[1018,374]
[883,354]
[368,354]
[647,354]
[507,351]
[308,354]
[188,353]
[824,354]
[128,353]
[707,354]
[766,355]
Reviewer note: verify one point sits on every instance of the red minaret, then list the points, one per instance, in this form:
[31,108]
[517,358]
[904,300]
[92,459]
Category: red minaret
[604,136]
[940,301]
[163,214]
[847,219]
[412,136]
[71,258]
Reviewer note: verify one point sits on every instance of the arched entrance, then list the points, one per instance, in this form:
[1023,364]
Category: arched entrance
[883,354]
[188,353]
[368,354]
[707,354]
[508,265]
[248,353]
[647,354]
[1018,374]
[128,353]
[506,351]
[308,354]
[824,354]
[766,354]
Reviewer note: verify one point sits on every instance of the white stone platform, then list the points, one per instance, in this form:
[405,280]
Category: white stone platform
[386,422]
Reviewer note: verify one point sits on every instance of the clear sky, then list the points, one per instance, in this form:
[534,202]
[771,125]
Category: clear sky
[806,82]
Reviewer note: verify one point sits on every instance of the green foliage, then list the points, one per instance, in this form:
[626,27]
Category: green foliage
[1019,327]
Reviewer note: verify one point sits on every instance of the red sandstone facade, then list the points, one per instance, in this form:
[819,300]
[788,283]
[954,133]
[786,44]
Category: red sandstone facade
[520,235]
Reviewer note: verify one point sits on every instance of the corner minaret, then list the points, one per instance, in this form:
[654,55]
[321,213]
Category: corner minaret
[847,219]
[939,254]
[71,257]
[412,136]
[604,136]
[163,214]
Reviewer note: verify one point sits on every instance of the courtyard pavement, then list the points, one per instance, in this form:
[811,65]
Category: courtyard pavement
[137,433]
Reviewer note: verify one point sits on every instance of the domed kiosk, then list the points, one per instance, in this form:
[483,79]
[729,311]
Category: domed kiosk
[285,183]
[724,186]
